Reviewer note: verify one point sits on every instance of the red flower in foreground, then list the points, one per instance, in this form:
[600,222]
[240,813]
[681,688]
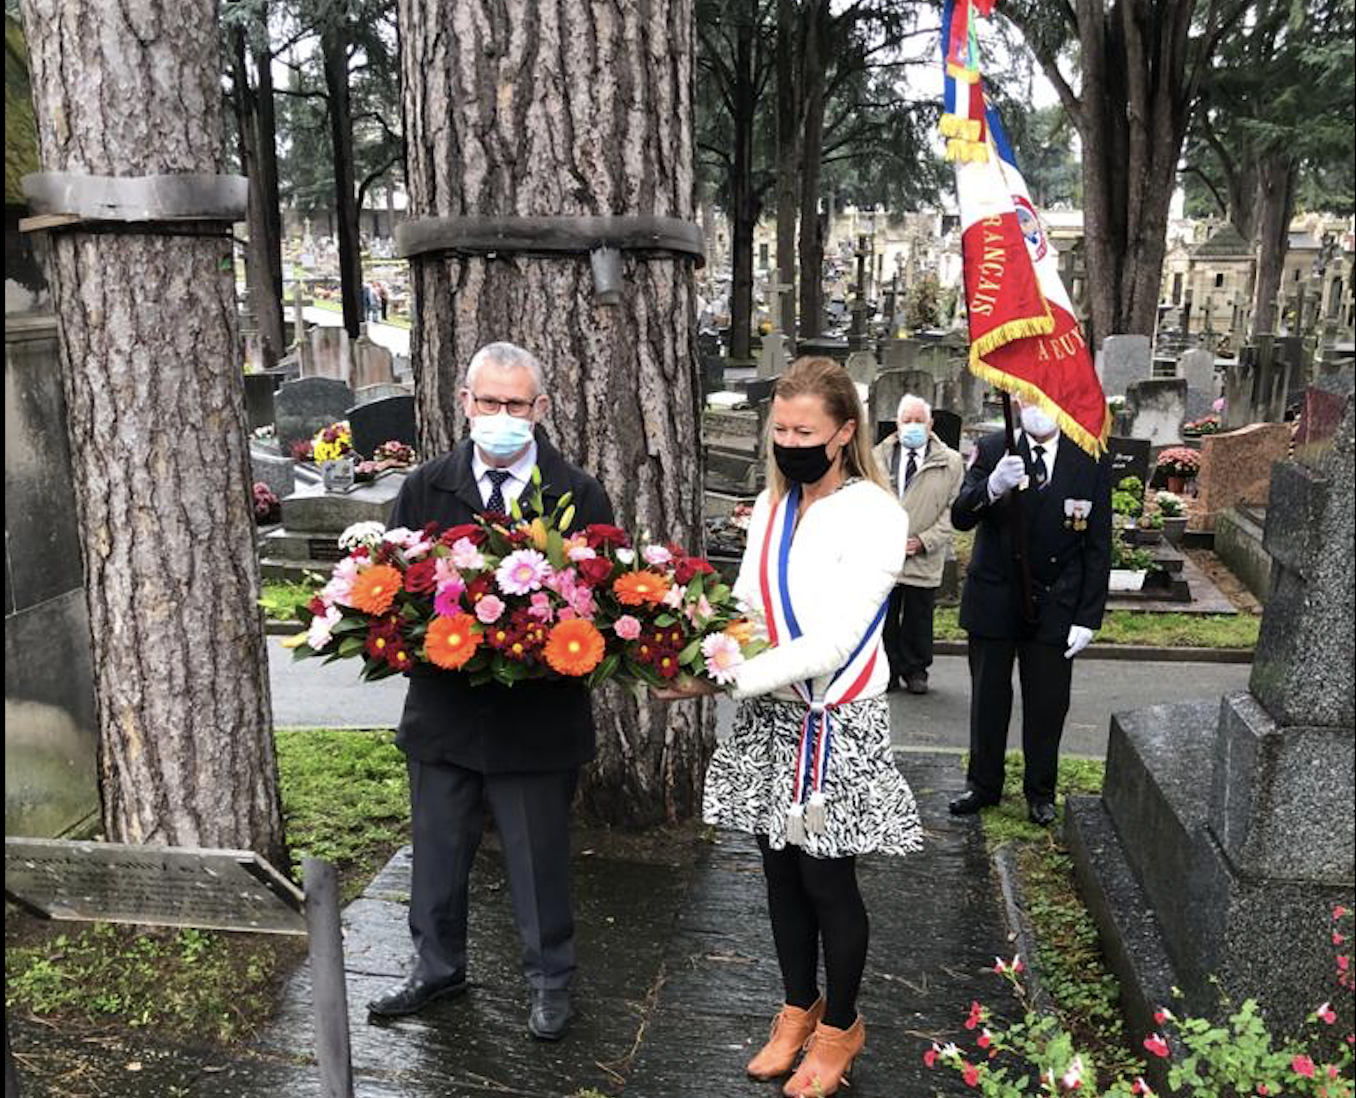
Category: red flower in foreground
[421,576]
[1303,1066]
[687,567]
[971,1075]
[468,530]
[595,571]
[1155,1044]
[602,536]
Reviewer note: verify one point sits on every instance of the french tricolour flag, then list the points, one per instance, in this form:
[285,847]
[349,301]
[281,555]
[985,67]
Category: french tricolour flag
[1024,338]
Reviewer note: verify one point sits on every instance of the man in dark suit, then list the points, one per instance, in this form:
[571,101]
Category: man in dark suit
[516,749]
[1065,497]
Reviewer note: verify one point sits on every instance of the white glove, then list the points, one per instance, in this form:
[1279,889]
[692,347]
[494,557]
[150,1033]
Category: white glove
[1007,474]
[1079,638]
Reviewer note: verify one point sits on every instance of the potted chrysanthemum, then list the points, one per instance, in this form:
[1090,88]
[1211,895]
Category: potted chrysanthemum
[1179,464]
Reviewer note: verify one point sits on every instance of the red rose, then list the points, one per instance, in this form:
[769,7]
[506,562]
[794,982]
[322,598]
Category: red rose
[595,571]
[466,530]
[602,536]
[687,567]
[421,576]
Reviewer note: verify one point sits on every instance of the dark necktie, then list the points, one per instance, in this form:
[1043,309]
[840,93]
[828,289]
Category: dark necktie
[1038,465]
[496,500]
[910,468]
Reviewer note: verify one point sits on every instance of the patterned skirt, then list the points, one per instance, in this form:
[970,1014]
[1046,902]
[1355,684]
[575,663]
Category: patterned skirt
[869,805]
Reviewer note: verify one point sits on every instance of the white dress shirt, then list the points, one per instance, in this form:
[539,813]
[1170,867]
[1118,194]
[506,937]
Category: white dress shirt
[1051,447]
[919,456]
[520,474]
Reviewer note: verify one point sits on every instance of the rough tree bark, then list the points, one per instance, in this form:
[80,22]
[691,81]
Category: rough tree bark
[156,416]
[523,109]
[334,54]
[263,257]
[789,126]
[816,28]
[266,130]
[1277,176]
[745,199]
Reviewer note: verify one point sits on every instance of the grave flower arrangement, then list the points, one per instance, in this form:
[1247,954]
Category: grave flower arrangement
[514,597]
[1169,504]
[1179,461]
[332,443]
[387,456]
[266,506]
[1206,425]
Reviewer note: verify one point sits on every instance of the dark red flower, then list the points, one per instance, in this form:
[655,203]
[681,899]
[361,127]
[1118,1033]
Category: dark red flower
[385,553]
[388,625]
[317,605]
[495,518]
[398,655]
[476,590]
[380,642]
[497,636]
[687,567]
[602,536]
[665,661]
[595,571]
[430,529]
[421,576]
[466,530]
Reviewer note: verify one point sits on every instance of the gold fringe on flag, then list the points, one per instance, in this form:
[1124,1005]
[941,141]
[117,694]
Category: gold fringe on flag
[967,152]
[1091,444]
[955,125]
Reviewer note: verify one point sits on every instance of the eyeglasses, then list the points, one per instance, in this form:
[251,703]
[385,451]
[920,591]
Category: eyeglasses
[490,406]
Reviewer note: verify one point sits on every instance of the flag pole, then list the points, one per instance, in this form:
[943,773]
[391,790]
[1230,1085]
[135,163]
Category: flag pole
[1018,514]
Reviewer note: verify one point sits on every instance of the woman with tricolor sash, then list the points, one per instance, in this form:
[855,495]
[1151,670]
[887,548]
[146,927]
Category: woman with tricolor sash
[808,769]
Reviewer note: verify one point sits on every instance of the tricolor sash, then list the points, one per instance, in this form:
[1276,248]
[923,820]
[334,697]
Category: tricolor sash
[807,814]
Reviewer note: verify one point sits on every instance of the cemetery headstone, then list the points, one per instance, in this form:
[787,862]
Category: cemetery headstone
[1123,360]
[1236,467]
[1197,367]
[373,364]
[304,406]
[946,425]
[368,393]
[862,367]
[275,470]
[890,387]
[775,357]
[259,389]
[1155,409]
[1129,458]
[386,420]
[900,354]
[329,354]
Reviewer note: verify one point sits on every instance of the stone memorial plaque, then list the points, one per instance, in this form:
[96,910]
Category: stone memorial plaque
[152,886]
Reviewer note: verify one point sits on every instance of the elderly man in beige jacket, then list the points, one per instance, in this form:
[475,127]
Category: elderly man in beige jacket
[926,474]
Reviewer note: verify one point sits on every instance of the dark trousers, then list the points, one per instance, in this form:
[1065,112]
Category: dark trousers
[908,630]
[1045,676]
[532,814]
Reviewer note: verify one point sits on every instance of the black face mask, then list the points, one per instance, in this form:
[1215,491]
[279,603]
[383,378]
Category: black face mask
[802,464]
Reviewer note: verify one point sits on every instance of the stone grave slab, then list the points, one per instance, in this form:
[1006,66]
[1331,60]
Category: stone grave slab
[329,355]
[368,393]
[275,470]
[1123,360]
[312,511]
[1197,367]
[380,421]
[304,406]
[776,355]
[1320,416]
[151,885]
[373,364]
[862,367]
[900,354]
[1155,409]
[1236,467]
[1129,458]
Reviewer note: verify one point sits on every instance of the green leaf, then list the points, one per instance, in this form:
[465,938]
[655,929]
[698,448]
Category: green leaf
[350,645]
[696,586]
[691,651]
[605,670]
[555,549]
[665,620]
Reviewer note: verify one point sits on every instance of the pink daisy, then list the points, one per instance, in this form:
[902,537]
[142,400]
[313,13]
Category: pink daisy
[723,657]
[447,600]
[522,571]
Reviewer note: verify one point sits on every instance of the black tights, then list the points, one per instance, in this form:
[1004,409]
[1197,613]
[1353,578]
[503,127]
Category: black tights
[814,899]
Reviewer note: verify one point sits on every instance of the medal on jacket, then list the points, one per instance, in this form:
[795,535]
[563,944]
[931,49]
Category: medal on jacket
[808,813]
[1076,512]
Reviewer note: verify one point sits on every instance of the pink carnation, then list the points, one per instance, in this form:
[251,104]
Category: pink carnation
[656,555]
[626,627]
[447,600]
[541,608]
[490,609]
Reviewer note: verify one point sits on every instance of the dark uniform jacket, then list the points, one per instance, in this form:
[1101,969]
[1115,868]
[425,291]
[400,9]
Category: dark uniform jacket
[535,725]
[1070,567]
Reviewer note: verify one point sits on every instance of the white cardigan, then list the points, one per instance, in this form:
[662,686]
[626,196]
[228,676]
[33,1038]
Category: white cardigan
[845,558]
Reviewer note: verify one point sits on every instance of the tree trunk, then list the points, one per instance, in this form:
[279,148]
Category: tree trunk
[811,156]
[614,138]
[267,140]
[1276,175]
[265,295]
[334,51]
[744,202]
[788,154]
[150,350]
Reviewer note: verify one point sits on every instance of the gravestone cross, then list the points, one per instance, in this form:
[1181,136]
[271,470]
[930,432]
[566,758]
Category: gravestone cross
[773,291]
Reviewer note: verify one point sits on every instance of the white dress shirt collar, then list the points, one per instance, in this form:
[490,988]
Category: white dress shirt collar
[520,471]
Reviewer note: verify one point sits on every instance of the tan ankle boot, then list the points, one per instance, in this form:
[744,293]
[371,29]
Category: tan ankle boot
[790,1030]
[828,1059]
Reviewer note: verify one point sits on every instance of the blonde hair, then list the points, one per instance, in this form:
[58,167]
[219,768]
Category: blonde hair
[826,379]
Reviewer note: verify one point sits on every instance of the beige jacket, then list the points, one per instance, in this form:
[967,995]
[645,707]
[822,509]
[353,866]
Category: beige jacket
[928,501]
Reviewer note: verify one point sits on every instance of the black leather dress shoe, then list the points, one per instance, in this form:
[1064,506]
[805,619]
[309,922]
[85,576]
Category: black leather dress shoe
[414,994]
[550,1015]
[1041,812]
[970,802]
[916,684]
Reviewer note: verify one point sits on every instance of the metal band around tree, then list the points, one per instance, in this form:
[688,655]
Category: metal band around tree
[548,235]
[59,199]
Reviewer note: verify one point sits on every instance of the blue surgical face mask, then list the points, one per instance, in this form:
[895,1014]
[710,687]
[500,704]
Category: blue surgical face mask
[501,435]
[914,436]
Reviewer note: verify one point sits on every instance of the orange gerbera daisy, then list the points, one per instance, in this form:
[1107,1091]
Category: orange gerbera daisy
[450,642]
[638,588]
[574,647]
[375,589]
